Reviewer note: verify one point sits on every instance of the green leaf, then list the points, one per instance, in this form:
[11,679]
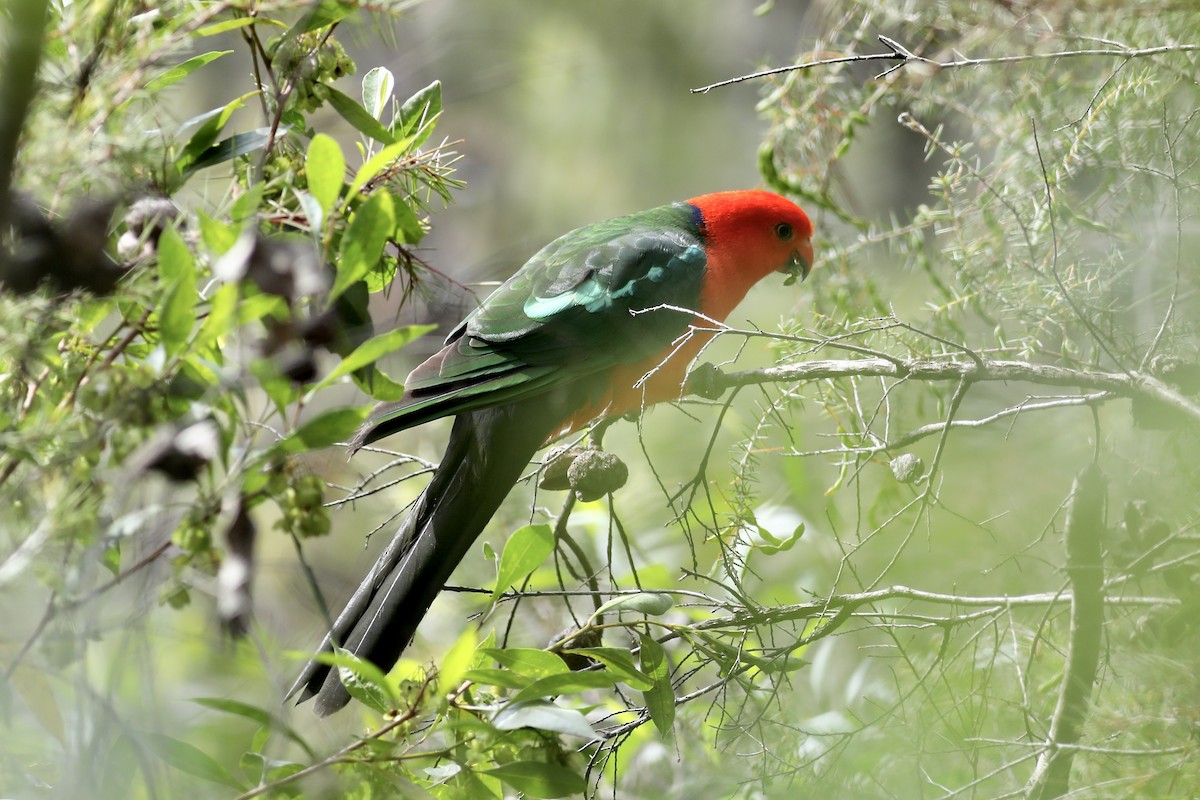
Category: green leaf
[543,716]
[377,87]
[324,430]
[539,779]
[177,308]
[363,242]
[323,14]
[325,167]
[660,699]
[232,25]
[620,663]
[528,661]
[375,165]
[246,206]
[181,71]
[256,306]
[652,604]
[222,315]
[259,715]
[175,261]
[228,149]
[525,551]
[567,683]
[177,315]
[218,236]
[358,116]
[379,386]
[373,349]
[496,677]
[190,759]
[364,681]
[206,135]
[457,661]
[418,115]
[408,227]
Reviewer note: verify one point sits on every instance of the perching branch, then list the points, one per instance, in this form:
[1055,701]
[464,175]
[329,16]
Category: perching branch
[901,54]
[1133,384]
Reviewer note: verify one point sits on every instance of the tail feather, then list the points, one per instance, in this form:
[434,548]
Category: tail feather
[487,451]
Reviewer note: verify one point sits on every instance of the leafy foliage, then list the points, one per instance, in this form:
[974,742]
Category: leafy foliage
[858,588]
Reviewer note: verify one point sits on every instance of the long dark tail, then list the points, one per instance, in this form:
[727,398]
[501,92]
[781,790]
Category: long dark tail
[487,452]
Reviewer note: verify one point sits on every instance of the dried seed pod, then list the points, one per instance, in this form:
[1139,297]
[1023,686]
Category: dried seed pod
[595,473]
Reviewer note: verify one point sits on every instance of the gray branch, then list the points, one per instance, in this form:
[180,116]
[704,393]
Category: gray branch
[1134,384]
[902,55]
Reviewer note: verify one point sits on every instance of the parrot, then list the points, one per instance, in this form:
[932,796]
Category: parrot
[603,321]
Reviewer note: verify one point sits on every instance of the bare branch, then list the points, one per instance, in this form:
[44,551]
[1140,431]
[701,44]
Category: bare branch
[1126,384]
[903,55]
[1029,404]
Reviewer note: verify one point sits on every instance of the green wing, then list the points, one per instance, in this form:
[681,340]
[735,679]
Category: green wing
[570,311]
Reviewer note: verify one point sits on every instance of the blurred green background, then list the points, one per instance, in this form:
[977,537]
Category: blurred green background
[566,113]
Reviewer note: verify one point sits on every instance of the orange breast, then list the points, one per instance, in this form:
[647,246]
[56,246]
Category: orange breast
[636,386]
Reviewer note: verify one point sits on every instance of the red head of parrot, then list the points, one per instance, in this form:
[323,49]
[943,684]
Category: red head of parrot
[747,236]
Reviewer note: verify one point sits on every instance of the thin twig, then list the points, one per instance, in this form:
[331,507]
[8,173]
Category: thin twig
[898,52]
[341,754]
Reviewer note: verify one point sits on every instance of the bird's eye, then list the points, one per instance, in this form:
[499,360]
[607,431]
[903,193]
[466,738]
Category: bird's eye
[783,231]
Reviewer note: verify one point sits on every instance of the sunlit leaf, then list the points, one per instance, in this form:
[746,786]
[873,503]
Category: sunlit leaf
[206,136]
[322,14]
[359,117]
[177,308]
[539,779]
[237,145]
[544,716]
[457,661]
[325,168]
[378,385]
[234,24]
[373,349]
[364,681]
[418,114]
[376,164]
[620,663]
[222,314]
[181,71]
[524,552]
[363,242]
[652,604]
[377,87]
[567,683]
[324,430]
[528,661]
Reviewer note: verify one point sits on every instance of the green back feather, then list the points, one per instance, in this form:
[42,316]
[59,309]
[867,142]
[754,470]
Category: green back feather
[566,314]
